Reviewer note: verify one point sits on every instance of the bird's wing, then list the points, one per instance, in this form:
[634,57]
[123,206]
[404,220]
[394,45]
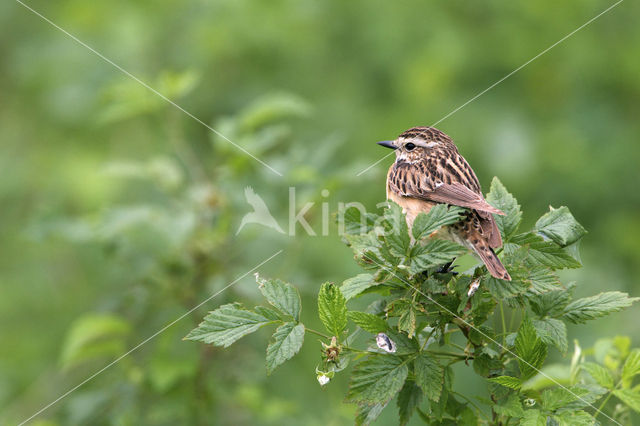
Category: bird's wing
[424,182]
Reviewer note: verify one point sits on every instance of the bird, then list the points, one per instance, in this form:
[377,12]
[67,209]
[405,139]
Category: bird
[260,213]
[429,170]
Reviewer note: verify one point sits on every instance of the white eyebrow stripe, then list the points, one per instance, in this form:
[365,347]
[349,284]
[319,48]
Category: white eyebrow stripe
[425,145]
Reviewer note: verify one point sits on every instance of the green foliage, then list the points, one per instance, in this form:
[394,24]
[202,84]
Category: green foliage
[332,309]
[420,308]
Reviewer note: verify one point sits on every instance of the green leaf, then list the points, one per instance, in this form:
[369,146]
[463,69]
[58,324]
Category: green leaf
[629,397]
[560,226]
[355,222]
[377,379]
[632,365]
[332,308]
[368,322]
[397,236]
[408,321]
[368,413]
[409,398]
[500,198]
[555,398]
[508,381]
[545,253]
[574,418]
[283,296]
[601,375]
[269,313]
[552,332]
[533,418]
[434,252]
[552,303]
[511,406]
[227,324]
[95,336]
[287,341]
[531,350]
[429,376]
[354,286]
[439,216]
[588,308]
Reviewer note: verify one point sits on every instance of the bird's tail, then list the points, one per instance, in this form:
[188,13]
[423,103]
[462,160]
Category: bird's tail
[490,259]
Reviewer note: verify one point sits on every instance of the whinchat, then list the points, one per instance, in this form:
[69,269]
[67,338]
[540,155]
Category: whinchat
[429,170]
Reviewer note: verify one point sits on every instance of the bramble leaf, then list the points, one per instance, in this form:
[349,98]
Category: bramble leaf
[531,350]
[552,332]
[559,397]
[632,365]
[377,379]
[368,322]
[227,324]
[508,381]
[354,286]
[545,253]
[439,216]
[409,398]
[287,341]
[429,376]
[281,295]
[601,375]
[533,418]
[587,308]
[434,252]
[511,407]
[500,198]
[560,226]
[629,397]
[332,308]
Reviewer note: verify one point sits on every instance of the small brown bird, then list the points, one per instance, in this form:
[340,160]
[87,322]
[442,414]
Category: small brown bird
[429,171]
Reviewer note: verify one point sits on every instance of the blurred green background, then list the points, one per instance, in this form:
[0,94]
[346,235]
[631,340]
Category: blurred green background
[119,212]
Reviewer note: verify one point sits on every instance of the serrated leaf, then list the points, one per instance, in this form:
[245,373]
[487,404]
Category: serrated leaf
[227,324]
[439,216]
[553,399]
[531,350]
[377,379]
[502,289]
[332,309]
[281,295]
[368,413]
[552,303]
[552,332]
[508,381]
[629,397]
[287,341]
[269,313]
[533,418]
[511,406]
[368,322]
[397,235]
[560,226]
[354,286]
[355,222]
[432,253]
[545,253]
[588,308]
[632,365]
[429,376]
[407,322]
[500,198]
[601,375]
[574,418]
[409,398]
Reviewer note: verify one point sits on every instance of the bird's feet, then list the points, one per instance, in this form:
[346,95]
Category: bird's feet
[447,268]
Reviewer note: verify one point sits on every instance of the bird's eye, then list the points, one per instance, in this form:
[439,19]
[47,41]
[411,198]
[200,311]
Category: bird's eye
[409,146]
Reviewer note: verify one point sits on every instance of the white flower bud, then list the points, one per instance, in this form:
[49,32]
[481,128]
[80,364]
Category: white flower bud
[385,343]
[323,379]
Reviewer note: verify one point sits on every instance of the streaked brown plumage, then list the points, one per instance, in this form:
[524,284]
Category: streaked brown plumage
[429,170]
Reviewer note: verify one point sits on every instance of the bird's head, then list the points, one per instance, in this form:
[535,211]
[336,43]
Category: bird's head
[414,144]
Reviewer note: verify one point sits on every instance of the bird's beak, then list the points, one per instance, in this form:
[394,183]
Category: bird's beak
[388,144]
